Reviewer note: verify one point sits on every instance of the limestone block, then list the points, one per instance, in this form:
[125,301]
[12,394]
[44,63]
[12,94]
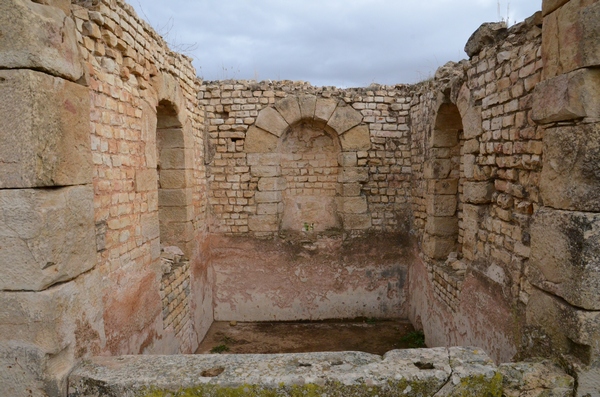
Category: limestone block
[270,184]
[478,192]
[271,121]
[569,38]
[36,36]
[145,180]
[171,110]
[174,179]
[307,106]
[353,174]
[568,96]
[438,247]
[570,176]
[324,108]
[442,186]
[150,226]
[348,159]
[45,131]
[441,205]
[351,189]
[442,139]
[344,118]
[265,170]
[268,197]
[472,122]
[260,141]
[443,226]
[148,122]
[356,139]
[263,223]
[174,197]
[167,215]
[565,255]
[176,159]
[289,109]
[487,34]
[321,213]
[46,236]
[549,6]
[356,221]
[437,169]
[536,378]
[354,205]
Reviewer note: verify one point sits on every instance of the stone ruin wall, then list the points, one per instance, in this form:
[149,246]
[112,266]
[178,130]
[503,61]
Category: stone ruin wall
[494,159]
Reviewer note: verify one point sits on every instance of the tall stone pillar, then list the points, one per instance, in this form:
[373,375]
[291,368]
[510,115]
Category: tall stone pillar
[565,234]
[47,236]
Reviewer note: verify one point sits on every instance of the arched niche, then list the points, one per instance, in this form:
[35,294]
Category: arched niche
[304,152]
[442,174]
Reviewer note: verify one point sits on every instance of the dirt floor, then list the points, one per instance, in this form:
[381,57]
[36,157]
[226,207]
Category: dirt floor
[372,336]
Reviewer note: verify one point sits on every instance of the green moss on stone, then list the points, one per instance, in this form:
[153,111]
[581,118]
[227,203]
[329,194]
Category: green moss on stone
[480,386]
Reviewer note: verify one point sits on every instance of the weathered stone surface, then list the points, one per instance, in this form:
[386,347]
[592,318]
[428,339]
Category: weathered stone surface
[472,122]
[478,192]
[263,223]
[344,118]
[174,197]
[438,247]
[289,109]
[569,38]
[357,138]
[442,186]
[437,169]
[565,255]
[441,205]
[315,213]
[348,159]
[570,175]
[260,141]
[274,183]
[536,378]
[150,226]
[46,236]
[417,372]
[443,139]
[443,226]
[64,5]
[307,106]
[36,36]
[145,180]
[487,34]
[354,205]
[272,121]
[324,108]
[357,221]
[45,131]
[353,174]
[566,97]
[549,6]
[266,170]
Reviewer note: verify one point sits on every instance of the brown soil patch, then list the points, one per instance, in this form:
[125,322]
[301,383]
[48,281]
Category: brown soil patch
[377,337]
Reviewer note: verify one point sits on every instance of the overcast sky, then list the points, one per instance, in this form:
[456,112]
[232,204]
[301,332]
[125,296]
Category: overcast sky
[345,43]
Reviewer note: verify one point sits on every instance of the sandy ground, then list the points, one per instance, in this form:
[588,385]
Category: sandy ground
[378,337]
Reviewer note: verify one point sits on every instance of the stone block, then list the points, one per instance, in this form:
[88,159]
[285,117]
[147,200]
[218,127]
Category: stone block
[173,179]
[45,131]
[263,223]
[167,215]
[356,221]
[145,180]
[289,109]
[567,97]
[150,226]
[320,212]
[356,139]
[478,192]
[443,139]
[351,189]
[344,118]
[174,197]
[348,159]
[353,174]
[324,108]
[442,186]
[549,6]
[271,121]
[536,378]
[570,176]
[176,159]
[472,122]
[268,197]
[271,184]
[442,226]
[438,247]
[437,169]
[267,209]
[265,170]
[569,38]
[441,205]
[40,37]
[46,236]
[354,205]
[307,106]
[487,34]
[260,141]
[565,255]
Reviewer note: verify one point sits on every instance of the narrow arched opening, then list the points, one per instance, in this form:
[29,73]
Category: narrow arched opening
[442,174]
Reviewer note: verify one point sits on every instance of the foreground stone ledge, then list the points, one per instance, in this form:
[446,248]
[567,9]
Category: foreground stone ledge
[417,372]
